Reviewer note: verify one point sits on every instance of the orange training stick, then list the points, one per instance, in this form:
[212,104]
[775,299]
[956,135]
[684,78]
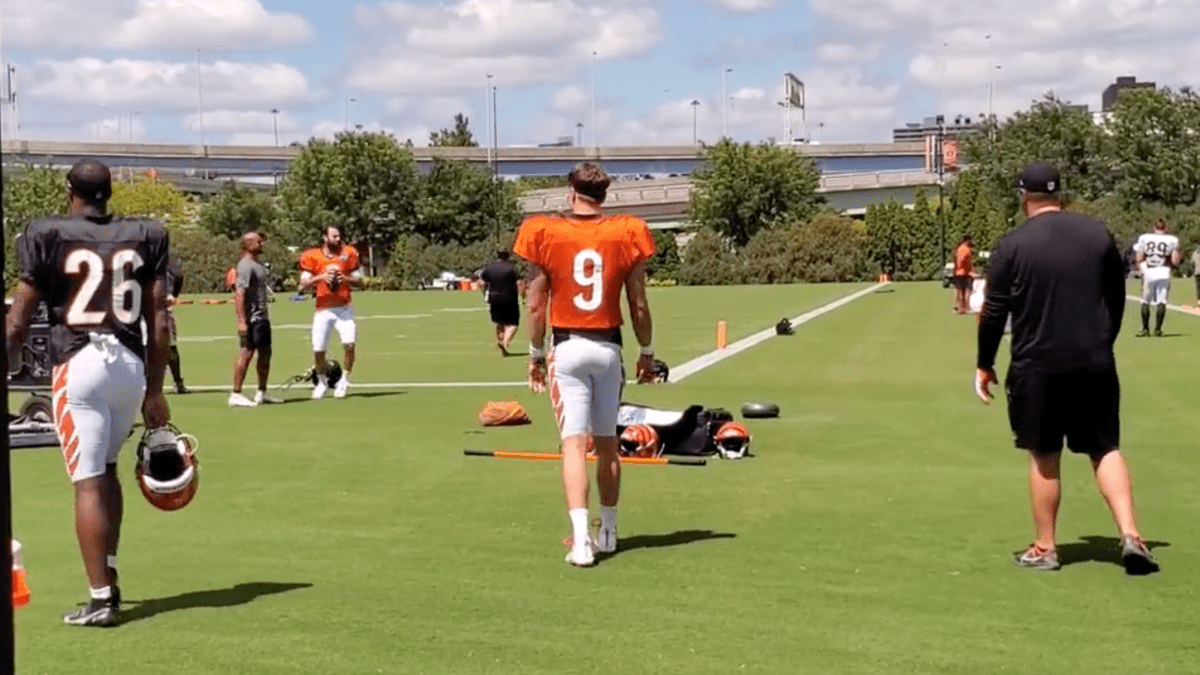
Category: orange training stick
[519,454]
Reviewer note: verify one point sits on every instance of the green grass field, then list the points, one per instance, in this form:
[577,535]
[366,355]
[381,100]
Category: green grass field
[871,533]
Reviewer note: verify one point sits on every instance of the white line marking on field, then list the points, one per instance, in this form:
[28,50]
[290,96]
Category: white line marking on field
[460,309]
[397,316]
[712,358]
[1183,309]
[379,385]
[205,339]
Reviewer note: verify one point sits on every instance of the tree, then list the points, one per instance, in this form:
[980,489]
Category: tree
[146,197]
[37,193]
[743,189]
[237,209]
[1053,131]
[458,137]
[365,184]
[1155,145]
[707,260]
[460,203]
[664,264]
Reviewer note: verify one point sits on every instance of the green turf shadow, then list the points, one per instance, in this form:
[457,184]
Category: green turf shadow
[240,594]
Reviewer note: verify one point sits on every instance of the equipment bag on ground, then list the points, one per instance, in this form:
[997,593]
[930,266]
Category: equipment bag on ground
[689,432]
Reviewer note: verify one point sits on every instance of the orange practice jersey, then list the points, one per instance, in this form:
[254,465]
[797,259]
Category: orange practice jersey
[587,262]
[962,261]
[314,261]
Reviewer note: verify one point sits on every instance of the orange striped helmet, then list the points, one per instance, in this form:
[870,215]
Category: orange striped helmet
[733,440]
[640,440]
[167,469]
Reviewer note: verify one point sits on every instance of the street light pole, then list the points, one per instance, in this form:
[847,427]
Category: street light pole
[595,130]
[275,124]
[695,109]
[724,105]
[347,112]
[941,122]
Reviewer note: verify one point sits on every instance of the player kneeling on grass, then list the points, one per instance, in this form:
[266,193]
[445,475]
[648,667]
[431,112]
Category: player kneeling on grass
[579,264]
[330,270]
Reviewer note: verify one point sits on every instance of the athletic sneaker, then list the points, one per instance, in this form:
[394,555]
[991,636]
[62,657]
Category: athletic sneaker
[339,389]
[102,613]
[237,400]
[1143,333]
[319,388]
[261,396]
[1136,556]
[582,556]
[606,540]
[1037,558]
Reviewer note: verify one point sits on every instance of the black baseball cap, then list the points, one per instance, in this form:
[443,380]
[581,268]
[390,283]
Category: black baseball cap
[1040,177]
[91,181]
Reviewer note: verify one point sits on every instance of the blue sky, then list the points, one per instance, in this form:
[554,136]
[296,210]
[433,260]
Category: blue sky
[868,65]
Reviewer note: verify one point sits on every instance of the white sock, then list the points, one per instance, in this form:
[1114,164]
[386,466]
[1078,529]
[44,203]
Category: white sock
[608,517]
[112,561]
[579,526]
[102,593]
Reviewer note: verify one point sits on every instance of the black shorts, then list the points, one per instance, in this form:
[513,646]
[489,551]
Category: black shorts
[1084,406]
[506,312]
[257,336]
[962,282]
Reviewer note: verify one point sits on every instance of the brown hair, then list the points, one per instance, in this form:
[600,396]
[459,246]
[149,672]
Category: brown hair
[589,180]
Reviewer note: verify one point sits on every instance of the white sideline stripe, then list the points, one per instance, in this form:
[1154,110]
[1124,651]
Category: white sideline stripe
[1177,308]
[714,357]
[370,385]
[462,309]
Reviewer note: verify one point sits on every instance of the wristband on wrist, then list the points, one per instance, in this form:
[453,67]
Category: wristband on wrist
[648,350]
[536,352]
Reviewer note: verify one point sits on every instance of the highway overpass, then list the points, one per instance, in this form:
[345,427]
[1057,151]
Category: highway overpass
[224,162]
[664,202]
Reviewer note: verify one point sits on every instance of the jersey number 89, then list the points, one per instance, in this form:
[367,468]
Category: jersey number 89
[593,280]
[126,293]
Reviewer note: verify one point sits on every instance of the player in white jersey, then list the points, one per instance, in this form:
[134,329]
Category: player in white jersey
[1157,253]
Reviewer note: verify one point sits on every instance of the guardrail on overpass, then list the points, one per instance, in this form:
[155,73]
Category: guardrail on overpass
[240,161]
[670,196]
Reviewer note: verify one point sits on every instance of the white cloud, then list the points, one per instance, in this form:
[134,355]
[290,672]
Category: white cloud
[1072,47]
[167,86]
[452,47]
[746,5]
[149,24]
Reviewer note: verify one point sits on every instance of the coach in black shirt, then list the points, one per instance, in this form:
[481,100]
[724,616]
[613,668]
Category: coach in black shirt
[500,286]
[1062,279]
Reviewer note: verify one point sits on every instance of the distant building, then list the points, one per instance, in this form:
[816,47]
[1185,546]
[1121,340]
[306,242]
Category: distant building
[918,131]
[1109,98]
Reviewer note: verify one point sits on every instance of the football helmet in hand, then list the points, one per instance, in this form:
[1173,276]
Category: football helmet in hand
[167,470]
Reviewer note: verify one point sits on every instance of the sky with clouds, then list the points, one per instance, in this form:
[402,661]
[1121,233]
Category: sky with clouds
[121,69]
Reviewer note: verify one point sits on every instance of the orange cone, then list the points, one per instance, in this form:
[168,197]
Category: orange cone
[20,590]
[720,335]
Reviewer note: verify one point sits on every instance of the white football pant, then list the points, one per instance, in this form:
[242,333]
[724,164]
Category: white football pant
[97,396]
[586,378]
[325,320]
[1155,291]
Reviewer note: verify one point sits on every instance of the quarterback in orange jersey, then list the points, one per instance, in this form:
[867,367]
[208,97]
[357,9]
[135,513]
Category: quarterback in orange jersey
[578,266]
[331,270]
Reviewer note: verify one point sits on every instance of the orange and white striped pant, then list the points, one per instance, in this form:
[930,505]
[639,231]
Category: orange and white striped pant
[586,378]
[97,396]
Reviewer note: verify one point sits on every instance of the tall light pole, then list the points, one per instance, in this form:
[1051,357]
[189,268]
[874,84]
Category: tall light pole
[695,116]
[724,105]
[487,117]
[595,141]
[275,124]
[941,122]
[579,133]
[988,39]
[347,112]
[200,99]
[496,165]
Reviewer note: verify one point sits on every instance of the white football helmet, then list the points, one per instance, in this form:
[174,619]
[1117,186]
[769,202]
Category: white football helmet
[167,470]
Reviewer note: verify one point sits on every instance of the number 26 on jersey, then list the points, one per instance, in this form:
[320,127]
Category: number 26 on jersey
[126,294]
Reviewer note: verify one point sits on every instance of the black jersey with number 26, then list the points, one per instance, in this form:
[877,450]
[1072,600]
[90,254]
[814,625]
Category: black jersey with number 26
[93,273]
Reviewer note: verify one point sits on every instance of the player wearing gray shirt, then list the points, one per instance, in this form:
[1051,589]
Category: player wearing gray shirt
[253,322]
